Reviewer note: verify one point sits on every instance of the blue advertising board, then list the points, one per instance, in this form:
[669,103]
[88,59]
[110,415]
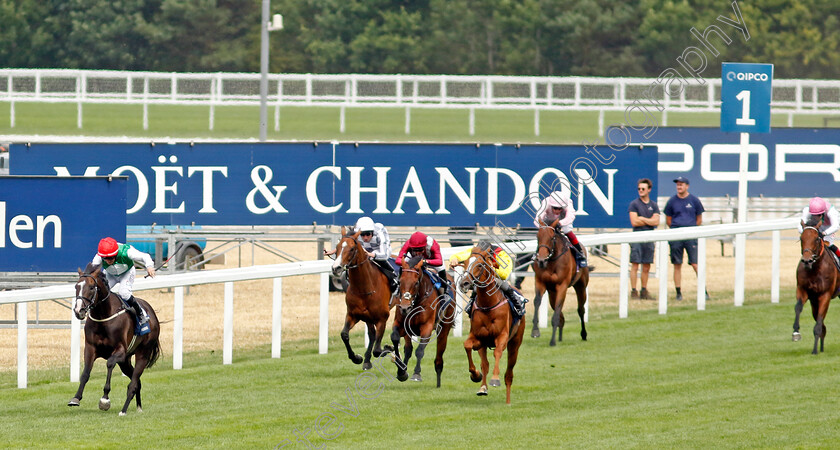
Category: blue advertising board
[745,94]
[52,224]
[789,162]
[396,184]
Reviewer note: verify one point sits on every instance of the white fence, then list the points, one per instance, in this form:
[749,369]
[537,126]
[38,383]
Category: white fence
[395,91]
[278,271]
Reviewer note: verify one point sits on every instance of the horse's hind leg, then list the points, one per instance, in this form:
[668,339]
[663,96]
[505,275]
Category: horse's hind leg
[128,370]
[371,331]
[557,298]
[513,354]
[90,356]
[402,374]
[442,339]
[535,331]
[580,290]
[134,386]
[349,322]
[801,298]
[118,356]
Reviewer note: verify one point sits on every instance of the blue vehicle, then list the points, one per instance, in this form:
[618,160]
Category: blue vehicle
[190,250]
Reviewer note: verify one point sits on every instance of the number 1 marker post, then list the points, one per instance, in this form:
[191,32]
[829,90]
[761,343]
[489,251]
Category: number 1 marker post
[745,94]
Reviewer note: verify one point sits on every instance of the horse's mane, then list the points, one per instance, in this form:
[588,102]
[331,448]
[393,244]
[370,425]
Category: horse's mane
[350,232]
[813,221]
[414,260]
[91,267]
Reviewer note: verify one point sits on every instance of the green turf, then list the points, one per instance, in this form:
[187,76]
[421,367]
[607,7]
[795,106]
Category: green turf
[725,377]
[322,123]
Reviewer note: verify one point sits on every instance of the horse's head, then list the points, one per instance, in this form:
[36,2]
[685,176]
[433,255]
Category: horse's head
[348,252]
[91,289]
[480,270]
[546,242]
[811,243]
[410,278]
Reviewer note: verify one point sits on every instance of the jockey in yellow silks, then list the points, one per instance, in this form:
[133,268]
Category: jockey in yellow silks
[503,271]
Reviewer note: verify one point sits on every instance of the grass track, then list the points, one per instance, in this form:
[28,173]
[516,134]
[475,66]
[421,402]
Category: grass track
[725,377]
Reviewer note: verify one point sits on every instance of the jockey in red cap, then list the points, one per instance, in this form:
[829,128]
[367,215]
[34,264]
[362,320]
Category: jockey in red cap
[420,244]
[558,204]
[822,215]
[117,261]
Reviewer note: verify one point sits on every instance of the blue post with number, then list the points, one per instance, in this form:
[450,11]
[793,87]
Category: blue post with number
[745,94]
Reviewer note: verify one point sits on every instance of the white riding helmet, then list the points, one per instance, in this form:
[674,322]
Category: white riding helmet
[364,224]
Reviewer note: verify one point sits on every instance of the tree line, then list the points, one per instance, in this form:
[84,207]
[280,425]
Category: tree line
[504,37]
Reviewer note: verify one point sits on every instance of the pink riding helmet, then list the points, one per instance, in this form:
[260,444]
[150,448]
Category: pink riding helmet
[554,200]
[817,206]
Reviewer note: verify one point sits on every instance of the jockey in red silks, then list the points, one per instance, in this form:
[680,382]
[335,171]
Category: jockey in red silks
[420,244]
[826,219]
[558,204]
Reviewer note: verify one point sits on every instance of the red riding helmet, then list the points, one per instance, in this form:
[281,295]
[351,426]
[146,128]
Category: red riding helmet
[417,240]
[108,247]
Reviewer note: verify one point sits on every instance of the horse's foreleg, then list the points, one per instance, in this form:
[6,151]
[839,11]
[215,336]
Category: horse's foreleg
[501,344]
[822,310]
[485,367]
[349,322]
[134,385]
[442,339]
[800,300]
[538,294]
[380,333]
[128,370]
[425,337]
[371,331]
[116,357]
[90,356]
[402,374]
[513,354]
[469,344]
[557,297]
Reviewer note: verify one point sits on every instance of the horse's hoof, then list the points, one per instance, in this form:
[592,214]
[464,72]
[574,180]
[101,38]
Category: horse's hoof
[367,366]
[122,413]
[357,359]
[393,358]
[73,402]
[535,333]
[139,409]
[475,377]
[104,404]
[495,383]
[387,348]
[482,391]
[402,375]
[416,377]
[583,336]
[796,336]
[552,343]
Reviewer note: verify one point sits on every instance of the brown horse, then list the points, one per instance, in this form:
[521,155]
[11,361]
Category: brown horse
[367,297]
[420,312]
[109,334]
[817,280]
[555,271]
[492,324]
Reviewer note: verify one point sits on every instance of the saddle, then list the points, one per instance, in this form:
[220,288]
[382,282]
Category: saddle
[139,329]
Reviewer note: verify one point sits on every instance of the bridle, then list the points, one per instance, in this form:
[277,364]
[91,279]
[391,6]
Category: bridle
[355,251]
[815,253]
[416,297]
[488,269]
[89,303]
[552,254]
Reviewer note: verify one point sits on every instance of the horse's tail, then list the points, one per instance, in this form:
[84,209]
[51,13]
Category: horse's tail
[155,354]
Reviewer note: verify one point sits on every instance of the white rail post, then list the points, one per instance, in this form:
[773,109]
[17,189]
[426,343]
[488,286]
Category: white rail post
[341,120]
[458,326]
[741,238]
[178,330]
[774,270]
[324,316]
[75,342]
[543,314]
[227,352]
[146,102]
[276,317]
[407,120]
[663,276]
[22,359]
[601,123]
[80,91]
[623,280]
[536,122]
[701,274]
[586,307]
[472,121]
[212,102]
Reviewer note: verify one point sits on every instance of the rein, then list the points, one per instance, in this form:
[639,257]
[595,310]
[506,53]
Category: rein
[817,253]
[417,297]
[552,253]
[96,300]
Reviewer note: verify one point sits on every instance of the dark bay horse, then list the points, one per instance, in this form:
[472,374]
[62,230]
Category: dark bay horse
[420,312]
[817,281]
[555,271]
[109,334]
[368,295]
[492,324]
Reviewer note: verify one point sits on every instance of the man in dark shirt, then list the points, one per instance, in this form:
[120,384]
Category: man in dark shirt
[644,215]
[683,210]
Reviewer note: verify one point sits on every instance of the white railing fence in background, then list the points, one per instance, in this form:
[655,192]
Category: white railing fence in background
[465,92]
[278,271]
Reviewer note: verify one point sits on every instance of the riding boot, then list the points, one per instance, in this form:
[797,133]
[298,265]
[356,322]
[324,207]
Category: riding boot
[834,249]
[393,281]
[142,317]
[444,284]
[580,258]
[518,299]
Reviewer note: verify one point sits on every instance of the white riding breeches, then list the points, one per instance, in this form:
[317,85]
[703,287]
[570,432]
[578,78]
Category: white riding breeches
[123,284]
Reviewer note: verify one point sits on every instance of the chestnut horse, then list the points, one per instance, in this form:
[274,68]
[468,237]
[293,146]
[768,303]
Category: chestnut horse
[109,334]
[555,271]
[419,313]
[367,297]
[817,280]
[492,324]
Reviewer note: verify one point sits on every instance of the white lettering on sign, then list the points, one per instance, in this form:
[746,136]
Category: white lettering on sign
[447,179]
[312,189]
[709,150]
[685,150]
[493,191]
[23,223]
[746,76]
[783,166]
